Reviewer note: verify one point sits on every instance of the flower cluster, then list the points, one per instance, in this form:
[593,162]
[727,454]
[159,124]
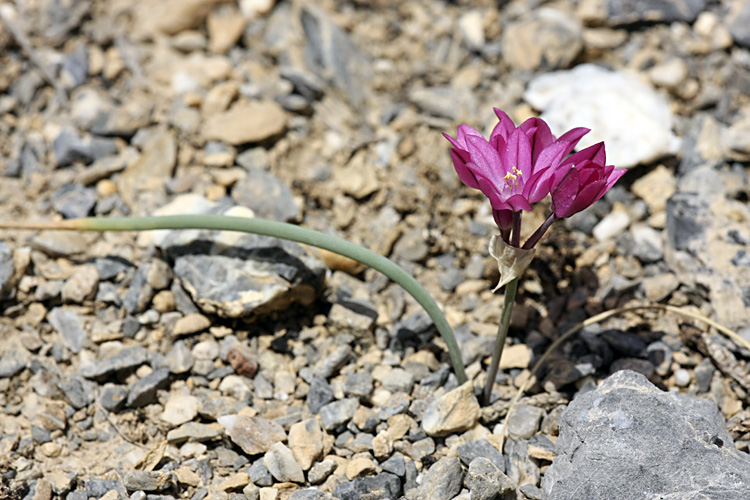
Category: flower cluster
[520,166]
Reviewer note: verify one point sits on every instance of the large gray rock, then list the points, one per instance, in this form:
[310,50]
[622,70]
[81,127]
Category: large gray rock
[258,275]
[627,439]
[234,274]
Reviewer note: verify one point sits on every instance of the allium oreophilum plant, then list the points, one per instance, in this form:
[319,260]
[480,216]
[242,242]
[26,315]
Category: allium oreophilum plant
[515,168]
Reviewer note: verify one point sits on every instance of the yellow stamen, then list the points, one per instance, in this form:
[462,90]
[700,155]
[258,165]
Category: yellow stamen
[512,176]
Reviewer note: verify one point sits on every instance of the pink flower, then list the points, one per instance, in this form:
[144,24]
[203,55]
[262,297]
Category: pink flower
[515,168]
[581,180]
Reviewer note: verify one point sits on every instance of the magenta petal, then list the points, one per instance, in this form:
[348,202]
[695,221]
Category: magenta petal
[615,176]
[465,131]
[504,127]
[571,137]
[539,186]
[519,202]
[539,135]
[589,172]
[564,194]
[590,153]
[503,218]
[518,154]
[454,142]
[550,156]
[588,195]
[486,158]
[558,174]
[493,191]
[463,171]
[611,180]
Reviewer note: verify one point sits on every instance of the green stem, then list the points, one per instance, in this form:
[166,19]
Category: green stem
[301,235]
[502,333]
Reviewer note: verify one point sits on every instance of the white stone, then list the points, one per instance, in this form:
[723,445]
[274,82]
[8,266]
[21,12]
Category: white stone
[682,378]
[633,120]
[613,224]
[183,204]
[180,408]
[235,386]
[252,9]
[206,350]
[471,27]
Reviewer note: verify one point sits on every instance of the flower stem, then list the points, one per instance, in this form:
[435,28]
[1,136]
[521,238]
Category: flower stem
[502,333]
[278,230]
[516,237]
[534,238]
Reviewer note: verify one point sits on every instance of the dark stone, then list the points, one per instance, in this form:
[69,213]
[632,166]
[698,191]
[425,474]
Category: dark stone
[442,482]
[435,380]
[319,394]
[139,293]
[259,474]
[110,267]
[267,195]
[395,465]
[738,20]
[73,201]
[640,439]
[624,12]
[113,397]
[130,326]
[58,19]
[741,258]
[308,494]
[358,384]
[77,495]
[200,494]
[704,374]
[143,391]
[642,366]
[688,214]
[531,491]
[33,156]
[70,326]
[77,391]
[141,480]
[75,67]
[471,450]
[97,487]
[40,435]
[305,84]
[487,482]
[381,487]
[126,360]
[69,148]
[25,87]
[415,330]
[7,268]
[338,412]
[625,343]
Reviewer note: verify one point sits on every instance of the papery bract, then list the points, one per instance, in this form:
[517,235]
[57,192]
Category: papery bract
[582,180]
[515,167]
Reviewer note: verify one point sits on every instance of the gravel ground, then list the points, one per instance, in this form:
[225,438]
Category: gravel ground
[203,364]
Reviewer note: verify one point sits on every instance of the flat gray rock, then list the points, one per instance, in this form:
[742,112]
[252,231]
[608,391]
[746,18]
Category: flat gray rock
[623,12]
[238,275]
[267,195]
[628,439]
